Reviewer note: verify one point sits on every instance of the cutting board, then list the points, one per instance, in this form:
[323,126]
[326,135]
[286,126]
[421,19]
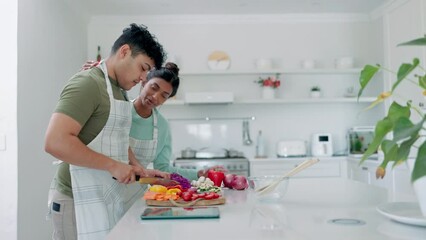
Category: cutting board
[181,203]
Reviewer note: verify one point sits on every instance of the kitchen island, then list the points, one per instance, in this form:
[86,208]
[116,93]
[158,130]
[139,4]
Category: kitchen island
[313,208]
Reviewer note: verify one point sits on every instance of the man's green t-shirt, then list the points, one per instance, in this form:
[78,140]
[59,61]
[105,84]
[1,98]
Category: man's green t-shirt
[85,99]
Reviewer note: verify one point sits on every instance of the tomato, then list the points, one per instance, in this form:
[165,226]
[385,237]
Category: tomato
[201,195]
[209,196]
[216,176]
[194,196]
[186,196]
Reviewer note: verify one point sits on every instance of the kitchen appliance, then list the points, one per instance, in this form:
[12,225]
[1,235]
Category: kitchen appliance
[359,138]
[235,163]
[322,145]
[188,153]
[291,148]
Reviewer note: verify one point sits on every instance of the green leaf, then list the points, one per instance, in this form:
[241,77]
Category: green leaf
[416,42]
[404,70]
[373,104]
[390,149]
[383,127]
[403,129]
[397,111]
[405,147]
[420,164]
[422,81]
[366,75]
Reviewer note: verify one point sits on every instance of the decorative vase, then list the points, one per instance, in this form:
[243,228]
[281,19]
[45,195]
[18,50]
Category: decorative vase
[315,94]
[419,187]
[268,93]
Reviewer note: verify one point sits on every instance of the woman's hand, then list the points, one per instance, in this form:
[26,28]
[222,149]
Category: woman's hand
[157,173]
[89,65]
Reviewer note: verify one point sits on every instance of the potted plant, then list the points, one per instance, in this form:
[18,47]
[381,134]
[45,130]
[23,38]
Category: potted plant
[315,91]
[396,135]
[269,85]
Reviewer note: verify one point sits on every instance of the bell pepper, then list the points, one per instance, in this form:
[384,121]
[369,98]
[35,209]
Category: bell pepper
[158,189]
[216,176]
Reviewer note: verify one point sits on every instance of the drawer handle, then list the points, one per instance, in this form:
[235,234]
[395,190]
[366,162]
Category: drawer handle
[364,168]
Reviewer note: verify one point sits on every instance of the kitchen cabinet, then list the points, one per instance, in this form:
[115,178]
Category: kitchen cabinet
[326,167]
[366,173]
[396,181]
[295,80]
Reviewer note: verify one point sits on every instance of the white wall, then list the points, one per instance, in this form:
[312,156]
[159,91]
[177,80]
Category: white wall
[8,130]
[52,45]
[285,39]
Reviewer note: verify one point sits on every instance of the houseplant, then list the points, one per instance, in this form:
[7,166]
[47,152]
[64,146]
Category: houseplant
[396,135]
[269,85]
[315,91]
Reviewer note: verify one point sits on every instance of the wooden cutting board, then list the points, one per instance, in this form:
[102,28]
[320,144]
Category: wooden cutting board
[181,203]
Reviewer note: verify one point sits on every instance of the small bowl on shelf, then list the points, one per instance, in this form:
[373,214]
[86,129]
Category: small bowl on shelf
[275,195]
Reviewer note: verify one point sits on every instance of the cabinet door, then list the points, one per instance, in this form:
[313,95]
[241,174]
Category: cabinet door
[366,173]
[358,173]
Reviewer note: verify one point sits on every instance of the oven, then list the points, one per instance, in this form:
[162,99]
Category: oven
[235,165]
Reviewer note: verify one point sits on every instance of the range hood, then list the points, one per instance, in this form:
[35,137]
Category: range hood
[209,98]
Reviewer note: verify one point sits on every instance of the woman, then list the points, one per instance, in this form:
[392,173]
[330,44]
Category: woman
[150,137]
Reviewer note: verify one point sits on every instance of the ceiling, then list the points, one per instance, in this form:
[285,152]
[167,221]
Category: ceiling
[154,7]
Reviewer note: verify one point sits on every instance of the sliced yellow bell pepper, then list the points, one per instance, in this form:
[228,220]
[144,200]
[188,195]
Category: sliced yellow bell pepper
[158,188]
[173,191]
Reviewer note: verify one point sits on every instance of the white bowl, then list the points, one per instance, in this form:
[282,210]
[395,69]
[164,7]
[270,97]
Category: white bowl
[277,194]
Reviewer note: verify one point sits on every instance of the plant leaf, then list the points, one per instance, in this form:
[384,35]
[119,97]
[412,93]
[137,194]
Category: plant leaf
[416,42]
[383,127]
[404,128]
[366,75]
[420,164]
[404,70]
[390,150]
[397,111]
[405,147]
[422,81]
[378,100]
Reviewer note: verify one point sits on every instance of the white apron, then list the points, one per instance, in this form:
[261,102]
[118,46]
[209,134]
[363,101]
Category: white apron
[145,152]
[100,200]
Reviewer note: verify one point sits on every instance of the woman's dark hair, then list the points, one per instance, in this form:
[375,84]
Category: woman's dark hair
[170,74]
[141,41]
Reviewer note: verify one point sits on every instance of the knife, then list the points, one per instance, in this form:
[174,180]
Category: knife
[155,181]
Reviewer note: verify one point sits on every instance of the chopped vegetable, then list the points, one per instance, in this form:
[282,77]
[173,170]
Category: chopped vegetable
[158,188]
[185,183]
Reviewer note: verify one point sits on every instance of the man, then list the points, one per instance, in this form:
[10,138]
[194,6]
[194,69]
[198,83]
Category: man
[89,132]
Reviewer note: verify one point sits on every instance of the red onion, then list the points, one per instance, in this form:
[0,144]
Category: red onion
[239,183]
[227,181]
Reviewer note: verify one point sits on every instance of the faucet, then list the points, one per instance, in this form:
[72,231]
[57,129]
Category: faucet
[246,133]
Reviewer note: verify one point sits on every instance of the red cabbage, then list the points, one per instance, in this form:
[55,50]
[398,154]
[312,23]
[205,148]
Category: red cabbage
[184,182]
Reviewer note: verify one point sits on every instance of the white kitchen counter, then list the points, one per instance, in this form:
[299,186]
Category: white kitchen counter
[305,213]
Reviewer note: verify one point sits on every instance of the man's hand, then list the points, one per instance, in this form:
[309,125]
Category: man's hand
[122,172]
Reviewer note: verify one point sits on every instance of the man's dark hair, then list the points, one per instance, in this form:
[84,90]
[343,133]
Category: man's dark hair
[141,41]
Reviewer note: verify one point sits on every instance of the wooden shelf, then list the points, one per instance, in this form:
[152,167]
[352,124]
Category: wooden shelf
[289,100]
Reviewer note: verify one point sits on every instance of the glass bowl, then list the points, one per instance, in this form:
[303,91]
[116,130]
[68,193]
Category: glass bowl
[277,194]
